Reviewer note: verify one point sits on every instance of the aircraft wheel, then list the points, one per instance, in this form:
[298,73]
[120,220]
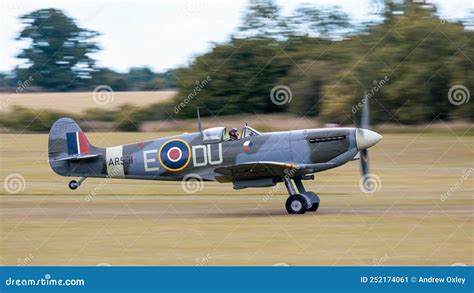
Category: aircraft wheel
[73,184]
[295,204]
[314,207]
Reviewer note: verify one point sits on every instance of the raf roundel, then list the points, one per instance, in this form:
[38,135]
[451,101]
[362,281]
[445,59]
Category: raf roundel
[175,155]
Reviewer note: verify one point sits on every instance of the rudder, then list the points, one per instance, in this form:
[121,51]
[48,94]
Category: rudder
[67,141]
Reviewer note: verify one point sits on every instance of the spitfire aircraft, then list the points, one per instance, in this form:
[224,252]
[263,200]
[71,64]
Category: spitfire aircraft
[253,159]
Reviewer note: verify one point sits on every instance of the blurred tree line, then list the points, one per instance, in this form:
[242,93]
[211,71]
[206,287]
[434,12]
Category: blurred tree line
[407,60]
[59,59]
[329,62]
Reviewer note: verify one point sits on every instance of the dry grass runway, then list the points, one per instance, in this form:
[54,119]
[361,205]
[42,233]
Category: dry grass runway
[155,223]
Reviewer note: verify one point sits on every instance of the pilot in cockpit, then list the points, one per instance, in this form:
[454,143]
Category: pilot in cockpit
[233,135]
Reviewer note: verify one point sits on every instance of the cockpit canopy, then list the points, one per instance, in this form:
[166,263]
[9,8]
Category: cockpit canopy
[218,134]
[215,134]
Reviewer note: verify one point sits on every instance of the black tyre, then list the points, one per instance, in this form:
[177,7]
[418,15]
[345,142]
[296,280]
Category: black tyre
[295,204]
[73,184]
[314,207]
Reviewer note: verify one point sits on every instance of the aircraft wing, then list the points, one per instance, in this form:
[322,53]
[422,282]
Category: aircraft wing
[253,170]
[265,169]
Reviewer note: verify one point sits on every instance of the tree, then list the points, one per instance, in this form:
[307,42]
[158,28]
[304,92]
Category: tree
[262,20]
[327,23]
[58,55]
[139,77]
[408,62]
[307,87]
[117,81]
[422,57]
[241,76]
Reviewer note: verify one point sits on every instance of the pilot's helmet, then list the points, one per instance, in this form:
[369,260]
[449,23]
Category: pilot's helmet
[233,131]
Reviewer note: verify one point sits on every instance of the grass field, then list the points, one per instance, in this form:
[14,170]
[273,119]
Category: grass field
[78,102]
[422,215]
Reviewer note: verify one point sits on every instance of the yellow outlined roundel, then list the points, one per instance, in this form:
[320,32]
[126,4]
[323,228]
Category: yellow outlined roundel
[182,162]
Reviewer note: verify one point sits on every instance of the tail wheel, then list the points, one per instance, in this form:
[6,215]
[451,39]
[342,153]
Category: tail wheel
[73,184]
[296,204]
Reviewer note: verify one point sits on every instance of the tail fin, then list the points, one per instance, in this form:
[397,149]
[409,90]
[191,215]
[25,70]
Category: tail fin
[67,142]
[77,143]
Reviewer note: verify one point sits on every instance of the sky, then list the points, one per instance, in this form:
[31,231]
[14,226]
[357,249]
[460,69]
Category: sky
[164,34]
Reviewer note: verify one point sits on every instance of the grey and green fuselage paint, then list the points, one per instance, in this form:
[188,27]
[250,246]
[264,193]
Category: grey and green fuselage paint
[172,158]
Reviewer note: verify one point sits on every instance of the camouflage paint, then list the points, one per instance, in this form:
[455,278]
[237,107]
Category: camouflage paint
[301,148]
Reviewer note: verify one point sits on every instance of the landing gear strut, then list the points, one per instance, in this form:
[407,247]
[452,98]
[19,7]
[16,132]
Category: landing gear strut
[73,184]
[301,201]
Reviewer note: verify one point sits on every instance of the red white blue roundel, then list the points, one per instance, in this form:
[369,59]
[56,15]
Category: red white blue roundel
[175,155]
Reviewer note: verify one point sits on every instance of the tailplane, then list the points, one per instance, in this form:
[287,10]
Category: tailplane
[67,142]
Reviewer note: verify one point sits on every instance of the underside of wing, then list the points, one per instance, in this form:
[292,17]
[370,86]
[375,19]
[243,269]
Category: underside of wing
[254,170]
[263,169]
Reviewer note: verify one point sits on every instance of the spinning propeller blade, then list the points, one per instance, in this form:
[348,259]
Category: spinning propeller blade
[364,154]
[366,138]
[364,120]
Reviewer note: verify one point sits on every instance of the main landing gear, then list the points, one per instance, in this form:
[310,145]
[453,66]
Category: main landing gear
[73,184]
[299,203]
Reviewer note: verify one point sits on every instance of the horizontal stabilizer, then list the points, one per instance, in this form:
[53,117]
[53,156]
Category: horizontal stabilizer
[78,157]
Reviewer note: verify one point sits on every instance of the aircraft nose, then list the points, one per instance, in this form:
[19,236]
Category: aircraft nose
[366,138]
